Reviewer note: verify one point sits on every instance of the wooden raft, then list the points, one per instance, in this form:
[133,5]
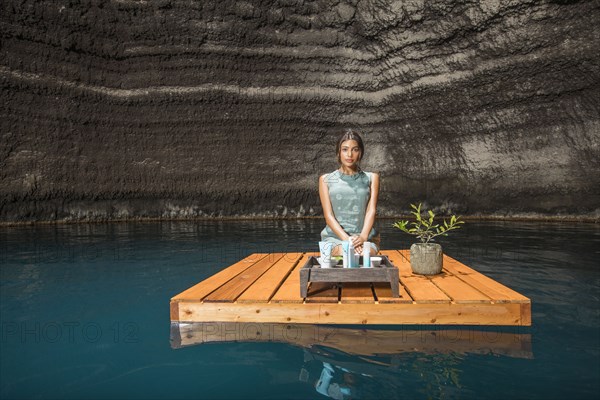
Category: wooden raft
[265,288]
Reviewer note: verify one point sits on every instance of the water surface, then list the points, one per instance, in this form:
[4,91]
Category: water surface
[85,314]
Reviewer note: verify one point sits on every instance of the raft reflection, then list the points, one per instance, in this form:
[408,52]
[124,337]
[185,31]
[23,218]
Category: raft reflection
[348,362]
[511,342]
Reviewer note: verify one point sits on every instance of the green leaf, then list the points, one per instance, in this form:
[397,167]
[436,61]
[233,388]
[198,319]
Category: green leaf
[424,228]
[431,217]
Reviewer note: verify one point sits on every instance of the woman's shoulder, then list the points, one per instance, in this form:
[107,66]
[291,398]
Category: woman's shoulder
[327,177]
[371,175]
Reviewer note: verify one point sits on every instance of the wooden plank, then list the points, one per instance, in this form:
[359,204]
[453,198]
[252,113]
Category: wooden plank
[404,253]
[265,287]
[357,293]
[526,314]
[289,291]
[323,292]
[207,286]
[419,287]
[421,313]
[482,314]
[174,310]
[231,290]
[383,293]
[458,290]
[493,289]
[399,261]
[422,290]
[247,312]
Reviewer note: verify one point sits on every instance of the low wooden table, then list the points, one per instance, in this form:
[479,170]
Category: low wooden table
[313,272]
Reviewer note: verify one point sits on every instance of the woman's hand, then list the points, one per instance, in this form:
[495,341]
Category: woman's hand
[357,242]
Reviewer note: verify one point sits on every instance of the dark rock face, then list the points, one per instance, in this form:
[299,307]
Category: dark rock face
[126,109]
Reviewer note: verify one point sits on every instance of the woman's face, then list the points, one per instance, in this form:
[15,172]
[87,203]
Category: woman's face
[349,153]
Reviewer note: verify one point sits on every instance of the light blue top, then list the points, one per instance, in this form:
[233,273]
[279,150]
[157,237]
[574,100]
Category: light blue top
[349,195]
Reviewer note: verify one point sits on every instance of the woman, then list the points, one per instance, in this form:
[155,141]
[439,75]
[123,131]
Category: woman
[349,198]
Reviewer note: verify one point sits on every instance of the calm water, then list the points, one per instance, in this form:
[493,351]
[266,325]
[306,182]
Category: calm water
[85,314]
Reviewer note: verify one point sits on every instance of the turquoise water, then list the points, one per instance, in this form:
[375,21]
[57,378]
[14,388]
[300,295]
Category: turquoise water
[85,314]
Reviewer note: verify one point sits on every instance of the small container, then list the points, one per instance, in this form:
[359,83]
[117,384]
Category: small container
[345,254]
[375,261]
[352,263]
[367,254]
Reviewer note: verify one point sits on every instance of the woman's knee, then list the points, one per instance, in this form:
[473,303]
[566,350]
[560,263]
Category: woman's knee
[337,250]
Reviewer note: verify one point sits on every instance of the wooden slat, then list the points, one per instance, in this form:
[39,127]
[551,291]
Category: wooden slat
[399,261]
[231,290]
[248,312]
[289,291]
[322,292]
[357,293]
[525,314]
[338,313]
[495,290]
[204,288]
[459,291]
[265,287]
[383,291]
[419,287]
[422,290]
[404,253]
[421,313]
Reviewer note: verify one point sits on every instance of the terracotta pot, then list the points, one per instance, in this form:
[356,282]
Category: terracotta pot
[426,258]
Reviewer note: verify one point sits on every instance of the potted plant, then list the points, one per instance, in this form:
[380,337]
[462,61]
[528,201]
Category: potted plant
[426,257]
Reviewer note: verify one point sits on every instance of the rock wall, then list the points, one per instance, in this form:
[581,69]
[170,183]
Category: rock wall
[127,109]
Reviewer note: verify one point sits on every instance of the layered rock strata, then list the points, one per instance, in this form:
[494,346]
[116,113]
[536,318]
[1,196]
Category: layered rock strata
[129,109]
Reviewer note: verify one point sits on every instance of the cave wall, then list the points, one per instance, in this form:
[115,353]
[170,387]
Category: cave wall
[127,109]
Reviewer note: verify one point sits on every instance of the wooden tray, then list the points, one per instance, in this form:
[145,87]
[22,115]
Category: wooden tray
[312,272]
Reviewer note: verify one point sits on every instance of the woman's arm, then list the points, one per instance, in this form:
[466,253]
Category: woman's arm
[330,219]
[371,211]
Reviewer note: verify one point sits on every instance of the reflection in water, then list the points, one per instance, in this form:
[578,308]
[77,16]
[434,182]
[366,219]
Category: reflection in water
[348,362]
[340,376]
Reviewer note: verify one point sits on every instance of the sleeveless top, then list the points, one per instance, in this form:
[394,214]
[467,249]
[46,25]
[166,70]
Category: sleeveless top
[349,195]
